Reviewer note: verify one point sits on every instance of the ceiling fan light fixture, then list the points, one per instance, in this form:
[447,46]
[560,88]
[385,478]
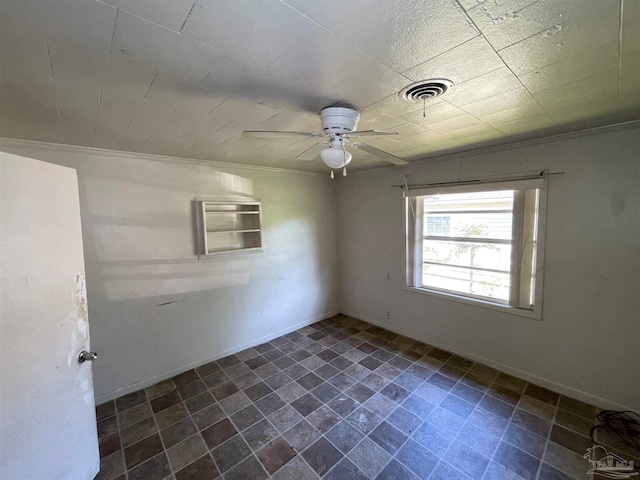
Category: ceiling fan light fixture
[335,157]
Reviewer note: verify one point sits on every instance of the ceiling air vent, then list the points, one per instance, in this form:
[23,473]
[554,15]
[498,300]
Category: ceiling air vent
[425,89]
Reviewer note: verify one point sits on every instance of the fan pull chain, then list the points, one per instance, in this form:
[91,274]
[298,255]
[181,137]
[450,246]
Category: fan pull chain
[344,172]
[332,176]
[424,107]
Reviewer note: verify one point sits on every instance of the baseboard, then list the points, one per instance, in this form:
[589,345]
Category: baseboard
[560,388]
[147,382]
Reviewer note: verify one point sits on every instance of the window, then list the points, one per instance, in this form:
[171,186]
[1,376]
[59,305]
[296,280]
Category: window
[437,225]
[479,242]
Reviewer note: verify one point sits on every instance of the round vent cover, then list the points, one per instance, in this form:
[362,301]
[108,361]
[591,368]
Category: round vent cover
[425,89]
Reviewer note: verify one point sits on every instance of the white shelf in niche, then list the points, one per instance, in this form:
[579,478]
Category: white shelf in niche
[228,227]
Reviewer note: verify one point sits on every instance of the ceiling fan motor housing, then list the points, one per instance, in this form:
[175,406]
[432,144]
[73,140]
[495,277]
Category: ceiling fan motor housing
[339,120]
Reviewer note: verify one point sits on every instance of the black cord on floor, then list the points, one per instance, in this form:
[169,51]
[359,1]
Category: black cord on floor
[625,424]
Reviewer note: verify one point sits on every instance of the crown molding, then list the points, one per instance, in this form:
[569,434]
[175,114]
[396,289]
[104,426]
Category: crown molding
[35,145]
[617,127]
[101,152]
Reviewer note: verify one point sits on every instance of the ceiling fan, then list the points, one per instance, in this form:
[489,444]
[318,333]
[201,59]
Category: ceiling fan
[339,125]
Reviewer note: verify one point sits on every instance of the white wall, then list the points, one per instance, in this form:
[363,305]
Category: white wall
[588,342]
[139,254]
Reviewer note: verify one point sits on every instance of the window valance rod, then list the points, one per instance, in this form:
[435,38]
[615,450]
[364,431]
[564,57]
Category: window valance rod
[490,179]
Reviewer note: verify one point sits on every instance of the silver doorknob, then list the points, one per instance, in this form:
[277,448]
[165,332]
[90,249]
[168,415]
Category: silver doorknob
[87,356]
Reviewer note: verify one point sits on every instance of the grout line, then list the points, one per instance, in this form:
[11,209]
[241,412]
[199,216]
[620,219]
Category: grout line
[164,447]
[124,461]
[124,465]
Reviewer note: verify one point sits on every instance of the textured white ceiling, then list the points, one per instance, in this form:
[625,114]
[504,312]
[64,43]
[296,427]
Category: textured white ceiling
[185,77]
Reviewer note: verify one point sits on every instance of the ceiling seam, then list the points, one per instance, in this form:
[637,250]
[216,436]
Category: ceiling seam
[440,54]
[188,15]
[341,38]
[176,33]
[113,33]
[517,77]
[50,62]
[479,119]
[565,59]
[620,56]
[576,81]
[149,88]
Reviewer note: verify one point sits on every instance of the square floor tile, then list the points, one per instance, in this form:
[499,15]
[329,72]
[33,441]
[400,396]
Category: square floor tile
[143,450]
[306,404]
[230,453]
[285,418]
[517,461]
[296,469]
[218,433]
[275,455]
[177,432]
[388,437]
[250,468]
[344,437]
[323,419]
[185,452]
[418,459]
[434,438]
[364,420]
[360,392]
[246,417]
[202,468]
[322,456]
[258,435]
[369,458]
[269,404]
[395,471]
[467,460]
[301,435]
[325,392]
[155,467]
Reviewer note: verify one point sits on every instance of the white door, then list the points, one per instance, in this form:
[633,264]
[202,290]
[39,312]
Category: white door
[47,415]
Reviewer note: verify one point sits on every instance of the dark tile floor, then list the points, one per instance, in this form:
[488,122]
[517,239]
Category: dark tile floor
[342,399]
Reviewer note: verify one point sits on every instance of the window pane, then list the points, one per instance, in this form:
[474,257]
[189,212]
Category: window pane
[468,254]
[470,215]
[476,215]
[474,282]
[473,225]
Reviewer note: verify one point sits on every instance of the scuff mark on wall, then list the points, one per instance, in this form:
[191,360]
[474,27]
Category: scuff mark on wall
[169,303]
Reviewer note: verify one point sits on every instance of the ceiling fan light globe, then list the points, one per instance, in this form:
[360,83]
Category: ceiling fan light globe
[335,157]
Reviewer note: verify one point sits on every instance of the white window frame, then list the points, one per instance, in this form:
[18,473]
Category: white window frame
[414,231]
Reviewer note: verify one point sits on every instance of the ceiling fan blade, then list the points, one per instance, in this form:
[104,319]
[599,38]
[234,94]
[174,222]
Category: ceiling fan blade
[274,133]
[311,153]
[380,153]
[363,133]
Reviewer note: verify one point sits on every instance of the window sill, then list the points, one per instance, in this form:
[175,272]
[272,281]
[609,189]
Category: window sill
[534,314]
